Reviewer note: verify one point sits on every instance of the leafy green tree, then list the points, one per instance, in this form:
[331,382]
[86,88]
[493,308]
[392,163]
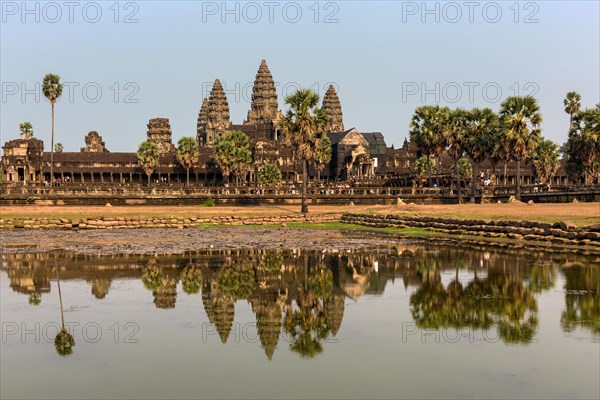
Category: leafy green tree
[320,283]
[301,127]
[52,89]
[481,133]
[233,154]
[237,280]
[269,174]
[152,276]
[544,160]
[191,279]
[462,169]
[58,148]
[521,119]
[26,130]
[322,155]
[423,168]
[572,105]
[582,299]
[509,306]
[148,157]
[187,154]
[426,129]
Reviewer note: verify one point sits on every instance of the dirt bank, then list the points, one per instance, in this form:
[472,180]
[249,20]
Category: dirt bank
[579,213]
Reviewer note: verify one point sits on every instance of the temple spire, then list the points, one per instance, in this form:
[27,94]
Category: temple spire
[202,121]
[263,108]
[217,115]
[159,132]
[333,110]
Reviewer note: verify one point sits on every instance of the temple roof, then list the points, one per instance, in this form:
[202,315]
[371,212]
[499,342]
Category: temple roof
[336,137]
[374,137]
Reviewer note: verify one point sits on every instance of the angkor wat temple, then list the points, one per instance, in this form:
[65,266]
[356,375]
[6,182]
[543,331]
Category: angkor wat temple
[355,154]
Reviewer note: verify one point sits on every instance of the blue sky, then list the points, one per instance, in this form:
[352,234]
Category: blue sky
[386,58]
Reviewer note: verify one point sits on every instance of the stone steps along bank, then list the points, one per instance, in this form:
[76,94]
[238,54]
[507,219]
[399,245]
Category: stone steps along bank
[561,233]
[160,222]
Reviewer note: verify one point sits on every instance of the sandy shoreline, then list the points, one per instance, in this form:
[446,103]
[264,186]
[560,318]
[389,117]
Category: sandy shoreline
[579,213]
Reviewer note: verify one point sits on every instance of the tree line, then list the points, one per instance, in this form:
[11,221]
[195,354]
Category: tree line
[512,134]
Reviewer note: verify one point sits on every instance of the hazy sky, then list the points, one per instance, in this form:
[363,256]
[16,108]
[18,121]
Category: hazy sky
[129,62]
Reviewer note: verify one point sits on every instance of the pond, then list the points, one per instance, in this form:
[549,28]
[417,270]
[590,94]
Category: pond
[410,320]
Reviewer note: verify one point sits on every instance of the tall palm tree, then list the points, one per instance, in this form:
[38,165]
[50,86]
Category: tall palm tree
[148,157]
[544,160]
[52,89]
[482,127]
[572,103]
[521,119]
[443,122]
[454,134]
[187,154]
[425,131]
[301,127]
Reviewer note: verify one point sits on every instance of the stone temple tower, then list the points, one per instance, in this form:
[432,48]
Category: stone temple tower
[159,132]
[217,116]
[264,98]
[333,109]
[202,121]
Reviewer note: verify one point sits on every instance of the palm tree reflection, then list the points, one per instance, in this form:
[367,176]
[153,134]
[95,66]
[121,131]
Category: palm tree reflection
[64,341]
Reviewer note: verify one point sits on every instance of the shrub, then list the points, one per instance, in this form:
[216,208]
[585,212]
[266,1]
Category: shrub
[208,203]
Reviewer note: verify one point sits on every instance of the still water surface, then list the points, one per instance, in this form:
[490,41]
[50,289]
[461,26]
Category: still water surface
[410,321]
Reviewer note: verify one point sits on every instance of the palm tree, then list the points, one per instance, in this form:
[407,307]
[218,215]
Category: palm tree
[572,104]
[425,130]
[454,133]
[544,160]
[26,130]
[481,132]
[301,126]
[233,154]
[58,148]
[187,154]
[440,142]
[583,146]
[521,118]
[148,157]
[64,341]
[52,89]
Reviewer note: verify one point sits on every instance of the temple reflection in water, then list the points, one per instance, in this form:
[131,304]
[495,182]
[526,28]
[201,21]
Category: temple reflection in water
[302,294]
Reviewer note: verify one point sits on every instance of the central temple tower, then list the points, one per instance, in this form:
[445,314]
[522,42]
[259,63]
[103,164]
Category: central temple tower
[264,107]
